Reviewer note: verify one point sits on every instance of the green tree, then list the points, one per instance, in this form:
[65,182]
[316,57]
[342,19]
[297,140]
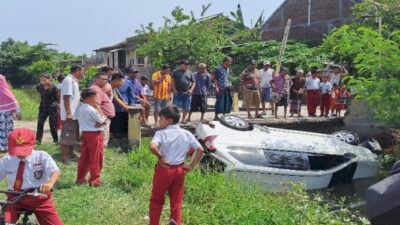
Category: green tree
[367,13]
[42,66]
[197,42]
[365,50]
[21,63]
[296,54]
[382,95]
[374,59]
[197,39]
[90,73]
[241,33]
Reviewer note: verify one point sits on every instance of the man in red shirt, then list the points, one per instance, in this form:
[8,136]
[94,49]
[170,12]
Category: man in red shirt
[104,102]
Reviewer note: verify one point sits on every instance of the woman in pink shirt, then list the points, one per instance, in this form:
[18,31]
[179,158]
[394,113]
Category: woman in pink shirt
[9,109]
[103,100]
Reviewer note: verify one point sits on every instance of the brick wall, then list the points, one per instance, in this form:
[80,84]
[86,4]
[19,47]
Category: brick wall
[325,15]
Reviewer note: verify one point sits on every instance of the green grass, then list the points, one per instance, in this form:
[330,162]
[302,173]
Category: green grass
[209,198]
[28,100]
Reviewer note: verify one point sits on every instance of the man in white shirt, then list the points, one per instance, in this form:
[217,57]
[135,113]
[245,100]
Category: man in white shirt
[24,169]
[312,86]
[266,94]
[69,103]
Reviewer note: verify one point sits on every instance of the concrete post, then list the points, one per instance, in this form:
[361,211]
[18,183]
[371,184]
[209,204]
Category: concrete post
[235,102]
[134,132]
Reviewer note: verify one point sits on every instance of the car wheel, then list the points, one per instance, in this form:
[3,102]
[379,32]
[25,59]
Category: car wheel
[234,122]
[347,137]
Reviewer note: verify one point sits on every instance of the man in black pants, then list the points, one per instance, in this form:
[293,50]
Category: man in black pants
[47,108]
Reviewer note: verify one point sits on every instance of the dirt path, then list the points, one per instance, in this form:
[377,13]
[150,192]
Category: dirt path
[32,125]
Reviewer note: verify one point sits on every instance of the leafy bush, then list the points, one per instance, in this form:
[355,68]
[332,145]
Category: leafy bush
[41,66]
[371,58]
[382,96]
[296,55]
[28,100]
[90,73]
[366,50]
[390,157]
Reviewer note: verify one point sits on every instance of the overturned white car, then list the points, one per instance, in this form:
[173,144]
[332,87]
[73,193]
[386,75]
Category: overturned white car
[277,157]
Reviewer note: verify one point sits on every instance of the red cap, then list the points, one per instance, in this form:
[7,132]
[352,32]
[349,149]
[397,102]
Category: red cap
[21,142]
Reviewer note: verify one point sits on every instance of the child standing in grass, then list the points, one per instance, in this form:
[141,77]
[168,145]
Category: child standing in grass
[171,145]
[91,120]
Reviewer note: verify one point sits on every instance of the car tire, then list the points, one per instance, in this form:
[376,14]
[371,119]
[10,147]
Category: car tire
[347,137]
[234,122]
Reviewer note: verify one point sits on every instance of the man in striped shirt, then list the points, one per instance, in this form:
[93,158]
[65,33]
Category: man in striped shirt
[162,88]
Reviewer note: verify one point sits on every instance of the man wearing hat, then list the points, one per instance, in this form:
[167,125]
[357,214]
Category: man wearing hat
[26,168]
[266,74]
[250,86]
[183,84]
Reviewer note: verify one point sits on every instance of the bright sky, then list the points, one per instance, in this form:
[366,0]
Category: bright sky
[80,26]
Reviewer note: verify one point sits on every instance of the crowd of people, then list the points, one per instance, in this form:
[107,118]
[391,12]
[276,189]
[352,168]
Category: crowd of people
[117,92]
[101,110]
[280,89]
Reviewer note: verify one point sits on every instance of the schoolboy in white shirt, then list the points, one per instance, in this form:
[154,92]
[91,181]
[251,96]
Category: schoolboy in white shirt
[26,168]
[171,145]
[91,121]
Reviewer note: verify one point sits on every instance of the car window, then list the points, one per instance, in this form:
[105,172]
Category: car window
[287,160]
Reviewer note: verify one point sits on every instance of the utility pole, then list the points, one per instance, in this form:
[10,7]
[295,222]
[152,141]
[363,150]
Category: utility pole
[309,13]
[283,46]
[378,18]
